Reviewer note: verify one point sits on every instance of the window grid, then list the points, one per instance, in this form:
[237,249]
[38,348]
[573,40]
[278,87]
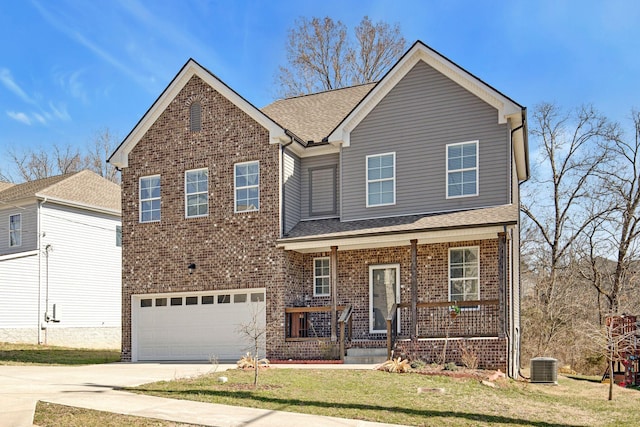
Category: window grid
[381,179]
[464,270]
[321,277]
[196,183]
[247,186]
[462,169]
[15,230]
[150,198]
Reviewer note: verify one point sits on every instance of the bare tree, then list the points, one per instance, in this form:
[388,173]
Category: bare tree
[378,47]
[39,163]
[320,56]
[256,331]
[558,204]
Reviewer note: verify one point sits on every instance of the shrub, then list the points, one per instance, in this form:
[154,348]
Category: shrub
[397,365]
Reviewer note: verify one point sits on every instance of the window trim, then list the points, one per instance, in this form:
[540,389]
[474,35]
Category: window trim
[140,199]
[236,188]
[476,168]
[186,194]
[18,231]
[368,181]
[315,294]
[477,249]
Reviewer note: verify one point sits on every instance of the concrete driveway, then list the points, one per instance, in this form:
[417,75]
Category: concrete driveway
[96,387]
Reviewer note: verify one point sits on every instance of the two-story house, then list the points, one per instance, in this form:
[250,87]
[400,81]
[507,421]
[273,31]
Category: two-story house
[377,216]
[60,261]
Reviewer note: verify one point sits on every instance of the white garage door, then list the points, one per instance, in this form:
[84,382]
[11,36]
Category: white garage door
[195,326]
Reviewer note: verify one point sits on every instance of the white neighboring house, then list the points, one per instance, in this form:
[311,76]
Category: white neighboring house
[60,261]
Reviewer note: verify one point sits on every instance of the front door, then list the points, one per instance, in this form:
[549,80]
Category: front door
[384,290]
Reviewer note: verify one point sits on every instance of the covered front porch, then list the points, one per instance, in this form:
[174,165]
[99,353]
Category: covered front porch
[398,288]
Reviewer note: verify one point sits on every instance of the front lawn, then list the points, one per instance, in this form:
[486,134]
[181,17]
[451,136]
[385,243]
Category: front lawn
[393,398]
[21,354]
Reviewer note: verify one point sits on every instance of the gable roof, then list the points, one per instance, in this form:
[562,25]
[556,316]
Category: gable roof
[119,158]
[84,189]
[312,117]
[507,109]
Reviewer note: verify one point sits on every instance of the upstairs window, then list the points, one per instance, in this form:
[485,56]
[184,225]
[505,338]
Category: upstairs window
[195,116]
[381,179]
[464,270]
[321,278]
[15,230]
[150,198]
[462,169]
[247,186]
[196,184]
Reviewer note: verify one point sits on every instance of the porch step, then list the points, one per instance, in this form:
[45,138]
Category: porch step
[365,355]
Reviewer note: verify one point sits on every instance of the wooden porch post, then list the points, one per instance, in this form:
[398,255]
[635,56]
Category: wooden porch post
[414,289]
[333,278]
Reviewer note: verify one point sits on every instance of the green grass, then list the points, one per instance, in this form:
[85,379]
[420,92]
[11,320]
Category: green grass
[31,354]
[53,415]
[393,398]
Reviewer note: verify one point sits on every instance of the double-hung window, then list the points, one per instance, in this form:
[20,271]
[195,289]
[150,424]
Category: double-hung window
[462,169]
[247,186]
[15,230]
[196,193]
[321,278]
[381,179]
[464,267]
[150,198]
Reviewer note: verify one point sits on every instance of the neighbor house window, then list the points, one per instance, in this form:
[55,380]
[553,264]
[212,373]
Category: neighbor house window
[247,184]
[381,179]
[464,267]
[195,116]
[462,169]
[196,183]
[15,230]
[119,236]
[321,280]
[150,198]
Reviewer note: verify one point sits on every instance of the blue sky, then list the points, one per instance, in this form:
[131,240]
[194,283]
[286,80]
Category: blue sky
[69,68]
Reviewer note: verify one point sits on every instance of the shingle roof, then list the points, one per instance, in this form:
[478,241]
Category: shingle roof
[334,228]
[313,117]
[83,188]
[5,185]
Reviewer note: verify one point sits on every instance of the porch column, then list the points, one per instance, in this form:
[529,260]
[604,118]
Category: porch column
[333,278]
[502,284]
[414,289]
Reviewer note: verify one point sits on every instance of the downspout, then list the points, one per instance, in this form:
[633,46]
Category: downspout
[39,233]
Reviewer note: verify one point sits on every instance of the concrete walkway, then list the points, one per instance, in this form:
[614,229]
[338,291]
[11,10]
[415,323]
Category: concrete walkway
[96,387]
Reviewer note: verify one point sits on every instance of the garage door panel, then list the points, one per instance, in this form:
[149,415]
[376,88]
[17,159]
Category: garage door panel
[196,331]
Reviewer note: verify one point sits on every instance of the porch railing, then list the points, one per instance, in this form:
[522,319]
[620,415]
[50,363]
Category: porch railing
[472,318]
[345,322]
[308,323]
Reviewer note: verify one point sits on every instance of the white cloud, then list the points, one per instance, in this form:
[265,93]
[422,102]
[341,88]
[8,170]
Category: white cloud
[7,81]
[60,111]
[19,117]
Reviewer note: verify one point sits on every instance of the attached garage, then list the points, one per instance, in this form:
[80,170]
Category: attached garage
[195,325]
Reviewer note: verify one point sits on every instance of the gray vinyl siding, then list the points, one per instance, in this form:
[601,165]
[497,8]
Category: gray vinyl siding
[29,225]
[291,190]
[324,202]
[423,113]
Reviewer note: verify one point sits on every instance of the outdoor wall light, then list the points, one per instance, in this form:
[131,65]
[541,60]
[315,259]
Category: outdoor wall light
[192,268]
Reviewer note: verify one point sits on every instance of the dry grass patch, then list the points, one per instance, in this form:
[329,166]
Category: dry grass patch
[385,397]
[53,415]
[32,354]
